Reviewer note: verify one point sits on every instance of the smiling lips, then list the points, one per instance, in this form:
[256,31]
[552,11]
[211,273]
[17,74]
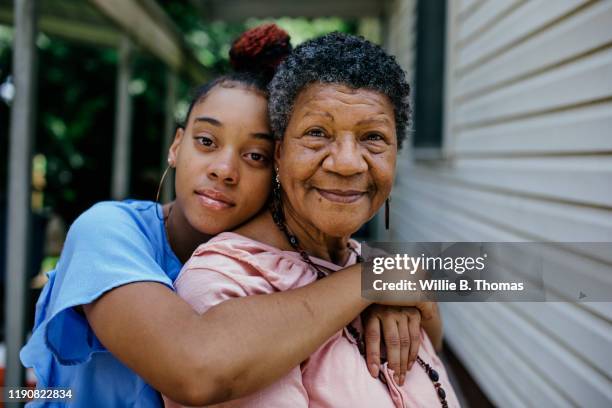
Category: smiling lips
[214,200]
[341,196]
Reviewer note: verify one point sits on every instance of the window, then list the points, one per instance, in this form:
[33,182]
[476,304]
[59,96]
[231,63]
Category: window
[429,75]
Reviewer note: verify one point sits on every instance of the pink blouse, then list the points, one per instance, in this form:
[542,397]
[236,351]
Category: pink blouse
[336,375]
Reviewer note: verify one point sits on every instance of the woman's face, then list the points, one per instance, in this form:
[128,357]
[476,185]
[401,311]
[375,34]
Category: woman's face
[223,160]
[337,158]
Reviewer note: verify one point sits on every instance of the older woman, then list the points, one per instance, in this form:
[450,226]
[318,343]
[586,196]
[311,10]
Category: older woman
[338,107]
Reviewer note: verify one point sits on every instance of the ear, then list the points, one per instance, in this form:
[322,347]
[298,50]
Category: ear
[175,147]
[277,152]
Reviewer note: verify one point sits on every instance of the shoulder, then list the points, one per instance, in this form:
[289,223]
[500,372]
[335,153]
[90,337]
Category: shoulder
[115,242]
[237,246]
[133,227]
[232,253]
[119,211]
[112,215]
[262,228]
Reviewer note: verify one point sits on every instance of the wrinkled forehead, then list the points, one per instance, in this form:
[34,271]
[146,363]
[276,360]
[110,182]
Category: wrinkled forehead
[317,94]
[325,96]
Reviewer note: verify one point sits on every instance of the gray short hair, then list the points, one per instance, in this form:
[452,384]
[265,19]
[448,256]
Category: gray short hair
[341,59]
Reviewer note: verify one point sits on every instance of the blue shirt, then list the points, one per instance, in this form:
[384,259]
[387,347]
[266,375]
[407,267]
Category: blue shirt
[109,245]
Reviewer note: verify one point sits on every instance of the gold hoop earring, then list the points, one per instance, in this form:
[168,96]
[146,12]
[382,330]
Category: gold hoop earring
[161,182]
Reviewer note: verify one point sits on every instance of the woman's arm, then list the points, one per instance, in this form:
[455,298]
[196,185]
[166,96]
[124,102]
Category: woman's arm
[433,327]
[235,348]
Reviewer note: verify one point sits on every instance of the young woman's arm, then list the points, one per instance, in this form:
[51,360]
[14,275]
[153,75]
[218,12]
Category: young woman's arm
[241,345]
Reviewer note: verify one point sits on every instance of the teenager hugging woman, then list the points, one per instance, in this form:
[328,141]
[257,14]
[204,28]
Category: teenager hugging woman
[109,324]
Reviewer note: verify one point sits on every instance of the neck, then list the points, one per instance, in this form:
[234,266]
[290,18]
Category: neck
[314,241]
[182,237]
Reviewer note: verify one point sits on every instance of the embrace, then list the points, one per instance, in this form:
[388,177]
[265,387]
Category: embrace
[245,290]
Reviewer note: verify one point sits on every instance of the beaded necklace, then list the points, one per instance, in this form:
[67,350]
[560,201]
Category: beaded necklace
[433,375]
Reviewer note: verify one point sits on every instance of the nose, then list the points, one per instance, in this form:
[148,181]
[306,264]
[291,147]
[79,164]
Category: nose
[224,168]
[346,157]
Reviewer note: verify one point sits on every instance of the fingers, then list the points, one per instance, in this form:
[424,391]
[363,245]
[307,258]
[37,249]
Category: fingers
[401,331]
[392,341]
[414,329]
[372,340]
[404,335]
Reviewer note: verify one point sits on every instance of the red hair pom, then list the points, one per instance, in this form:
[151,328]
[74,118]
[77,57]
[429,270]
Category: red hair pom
[260,50]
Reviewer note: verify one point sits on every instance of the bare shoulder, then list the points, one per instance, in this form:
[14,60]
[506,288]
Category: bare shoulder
[263,229]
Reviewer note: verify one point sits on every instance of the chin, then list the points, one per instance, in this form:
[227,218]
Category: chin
[213,230]
[338,227]
[207,224]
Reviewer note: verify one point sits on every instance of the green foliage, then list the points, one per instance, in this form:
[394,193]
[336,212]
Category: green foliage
[76,104]
[302,29]
[212,40]
[6,39]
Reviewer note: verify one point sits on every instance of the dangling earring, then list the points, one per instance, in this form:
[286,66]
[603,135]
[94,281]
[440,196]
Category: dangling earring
[276,188]
[387,210]
[276,207]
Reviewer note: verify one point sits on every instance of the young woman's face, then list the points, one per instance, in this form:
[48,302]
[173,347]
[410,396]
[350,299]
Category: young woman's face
[223,160]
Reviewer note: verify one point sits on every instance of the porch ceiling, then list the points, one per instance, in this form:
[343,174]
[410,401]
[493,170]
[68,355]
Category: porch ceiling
[103,22]
[238,10]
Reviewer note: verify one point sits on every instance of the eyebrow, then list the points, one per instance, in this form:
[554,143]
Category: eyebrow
[210,120]
[217,123]
[263,136]
[372,120]
[320,113]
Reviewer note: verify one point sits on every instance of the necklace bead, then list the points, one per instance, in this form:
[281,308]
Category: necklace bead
[434,377]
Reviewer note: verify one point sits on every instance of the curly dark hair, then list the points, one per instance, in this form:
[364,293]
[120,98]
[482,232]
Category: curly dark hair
[341,59]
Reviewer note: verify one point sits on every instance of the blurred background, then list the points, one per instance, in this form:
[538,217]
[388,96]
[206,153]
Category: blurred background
[511,141]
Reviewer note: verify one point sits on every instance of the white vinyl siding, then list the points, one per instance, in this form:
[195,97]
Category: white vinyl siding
[527,156]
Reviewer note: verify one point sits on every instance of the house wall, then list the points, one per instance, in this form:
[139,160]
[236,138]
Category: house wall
[526,156]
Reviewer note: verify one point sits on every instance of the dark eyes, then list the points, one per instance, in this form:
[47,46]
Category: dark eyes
[210,145]
[204,140]
[373,140]
[315,133]
[257,157]
[375,137]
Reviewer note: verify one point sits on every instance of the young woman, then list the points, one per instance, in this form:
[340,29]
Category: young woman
[109,325]
[338,107]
